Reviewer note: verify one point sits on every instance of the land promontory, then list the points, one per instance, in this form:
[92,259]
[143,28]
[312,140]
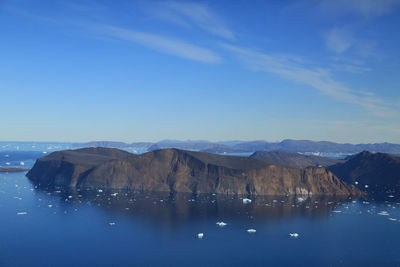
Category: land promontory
[376,173]
[174,170]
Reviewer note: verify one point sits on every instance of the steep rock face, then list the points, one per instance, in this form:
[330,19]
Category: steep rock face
[379,171]
[293,159]
[65,168]
[173,170]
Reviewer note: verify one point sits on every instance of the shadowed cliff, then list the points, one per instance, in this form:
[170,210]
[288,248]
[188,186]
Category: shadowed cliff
[380,172]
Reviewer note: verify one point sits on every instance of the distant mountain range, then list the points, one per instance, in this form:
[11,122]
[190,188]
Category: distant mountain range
[301,146]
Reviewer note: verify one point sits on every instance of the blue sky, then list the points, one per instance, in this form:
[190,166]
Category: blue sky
[217,70]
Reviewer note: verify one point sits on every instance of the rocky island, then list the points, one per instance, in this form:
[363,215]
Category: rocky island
[174,170]
[13,170]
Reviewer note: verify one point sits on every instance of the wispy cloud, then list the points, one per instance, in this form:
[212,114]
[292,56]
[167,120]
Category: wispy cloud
[343,39]
[339,40]
[191,14]
[365,8]
[321,79]
[160,43]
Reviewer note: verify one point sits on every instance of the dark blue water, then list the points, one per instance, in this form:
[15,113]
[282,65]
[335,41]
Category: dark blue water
[90,228]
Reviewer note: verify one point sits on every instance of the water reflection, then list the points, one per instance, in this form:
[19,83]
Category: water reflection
[181,208]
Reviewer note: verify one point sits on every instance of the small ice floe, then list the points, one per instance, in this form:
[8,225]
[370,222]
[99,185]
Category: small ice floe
[300,199]
[69,196]
[383,213]
[391,196]
[100,191]
[294,235]
[222,224]
[22,213]
[50,206]
[251,230]
[337,211]
[200,235]
[355,182]
[44,152]
[114,194]
[22,163]
[392,219]
[8,163]
[246,200]
[366,186]
[111,223]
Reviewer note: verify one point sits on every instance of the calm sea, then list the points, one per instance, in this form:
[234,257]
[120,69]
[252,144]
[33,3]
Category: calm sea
[60,227]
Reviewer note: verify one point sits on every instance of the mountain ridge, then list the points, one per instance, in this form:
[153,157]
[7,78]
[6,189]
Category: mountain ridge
[287,145]
[294,159]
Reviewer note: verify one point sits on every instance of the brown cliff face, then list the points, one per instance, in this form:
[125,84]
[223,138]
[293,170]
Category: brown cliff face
[173,170]
[66,168]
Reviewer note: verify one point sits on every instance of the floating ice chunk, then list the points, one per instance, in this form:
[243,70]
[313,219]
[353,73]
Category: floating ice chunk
[300,199]
[294,235]
[251,230]
[50,206]
[22,213]
[69,196]
[222,224]
[22,163]
[383,213]
[392,219]
[366,186]
[200,235]
[337,211]
[111,223]
[8,163]
[44,152]
[100,191]
[114,194]
[355,182]
[246,201]
[390,196]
